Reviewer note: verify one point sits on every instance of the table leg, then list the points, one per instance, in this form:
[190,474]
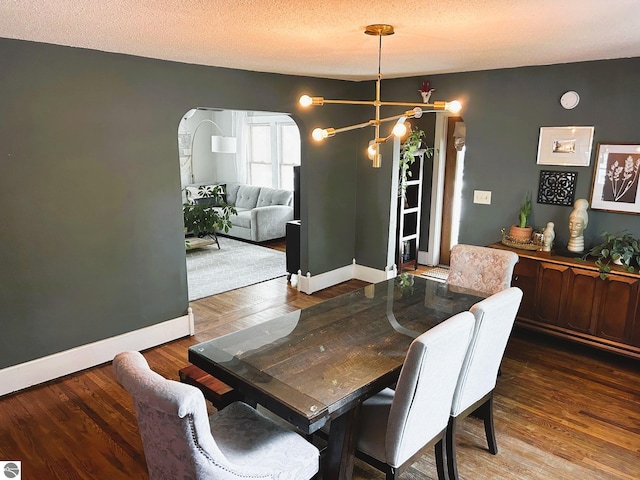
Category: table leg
[214,236]
[340,453]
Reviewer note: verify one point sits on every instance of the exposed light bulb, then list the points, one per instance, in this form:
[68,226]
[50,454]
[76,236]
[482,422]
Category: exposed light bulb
[400,128]
[306,100]
[319,134]
[373,152]
[454,106]
[372,149]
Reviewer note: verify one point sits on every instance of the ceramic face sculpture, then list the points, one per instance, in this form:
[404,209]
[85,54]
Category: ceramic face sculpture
[578,221]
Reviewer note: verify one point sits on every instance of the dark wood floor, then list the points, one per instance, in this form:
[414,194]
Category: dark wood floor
[562,411]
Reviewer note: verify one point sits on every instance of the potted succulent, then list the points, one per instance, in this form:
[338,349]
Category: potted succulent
[621,249]
[408,148]
[521,232]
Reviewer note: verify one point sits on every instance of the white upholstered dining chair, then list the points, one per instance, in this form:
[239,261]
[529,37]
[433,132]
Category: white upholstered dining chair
[487,270]
[494,318]
[396,426]
[177,434]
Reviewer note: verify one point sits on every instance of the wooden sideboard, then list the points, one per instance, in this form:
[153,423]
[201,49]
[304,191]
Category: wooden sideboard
[565,297]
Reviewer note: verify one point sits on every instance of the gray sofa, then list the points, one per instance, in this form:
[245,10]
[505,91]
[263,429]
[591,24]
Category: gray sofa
[262,212]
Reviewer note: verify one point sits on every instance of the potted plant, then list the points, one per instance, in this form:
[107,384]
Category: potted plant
[621,249]
[208,213]
[408,148]
[522,232]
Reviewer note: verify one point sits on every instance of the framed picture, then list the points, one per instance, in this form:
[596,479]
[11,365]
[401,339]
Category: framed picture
[557,188]
[567,146]
[616,177]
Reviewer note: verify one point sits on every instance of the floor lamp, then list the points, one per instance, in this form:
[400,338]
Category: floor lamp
[219,143]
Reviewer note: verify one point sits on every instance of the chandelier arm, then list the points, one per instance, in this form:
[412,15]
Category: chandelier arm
[355,127]
[408,114]
[419,105]
[350,102]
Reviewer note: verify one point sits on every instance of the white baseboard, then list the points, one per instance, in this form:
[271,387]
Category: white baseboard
[310,284]
[18,377]
[371,275]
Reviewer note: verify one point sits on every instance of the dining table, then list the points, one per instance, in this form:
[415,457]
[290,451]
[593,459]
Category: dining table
[313,367]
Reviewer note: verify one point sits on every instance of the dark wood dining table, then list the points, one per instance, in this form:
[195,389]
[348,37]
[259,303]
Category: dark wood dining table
[318,364]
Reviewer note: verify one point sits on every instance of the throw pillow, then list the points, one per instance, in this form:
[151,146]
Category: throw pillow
[214,194]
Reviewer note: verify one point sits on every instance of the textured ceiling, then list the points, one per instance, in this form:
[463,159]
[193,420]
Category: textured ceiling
[326,39]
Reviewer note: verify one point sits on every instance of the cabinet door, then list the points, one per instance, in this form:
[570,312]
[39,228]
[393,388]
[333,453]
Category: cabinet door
[583,294]
[635,330]
[618,308]
[525,277]
[550,293]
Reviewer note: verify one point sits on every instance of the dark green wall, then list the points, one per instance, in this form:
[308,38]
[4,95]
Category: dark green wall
[373,198]
[91,239]
[503,112]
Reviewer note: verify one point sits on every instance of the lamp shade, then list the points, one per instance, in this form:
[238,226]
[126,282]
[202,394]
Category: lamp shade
[220,144]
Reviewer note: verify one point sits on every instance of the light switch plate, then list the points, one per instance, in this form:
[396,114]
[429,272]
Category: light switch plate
[482,196]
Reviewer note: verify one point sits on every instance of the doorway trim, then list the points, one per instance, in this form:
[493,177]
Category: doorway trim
[432,255]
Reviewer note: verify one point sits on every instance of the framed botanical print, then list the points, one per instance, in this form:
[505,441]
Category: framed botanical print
[616,177]
[567,146]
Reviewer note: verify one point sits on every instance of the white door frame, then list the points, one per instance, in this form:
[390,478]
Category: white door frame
[432,255]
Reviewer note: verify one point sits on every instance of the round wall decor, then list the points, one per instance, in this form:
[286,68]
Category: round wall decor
[570,100]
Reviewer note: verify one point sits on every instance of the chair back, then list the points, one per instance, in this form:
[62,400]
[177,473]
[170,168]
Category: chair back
[422,399]
[173,423]
[494,318]
[484,269]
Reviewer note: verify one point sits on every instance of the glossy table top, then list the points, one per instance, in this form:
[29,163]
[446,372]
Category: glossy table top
[311,365]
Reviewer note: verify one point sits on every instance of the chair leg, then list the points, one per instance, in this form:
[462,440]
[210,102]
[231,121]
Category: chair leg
[439,453]
[391,475]
[450,436]
[489,430]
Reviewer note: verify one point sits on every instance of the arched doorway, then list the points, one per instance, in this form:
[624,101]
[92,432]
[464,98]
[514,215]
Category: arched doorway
[229,149]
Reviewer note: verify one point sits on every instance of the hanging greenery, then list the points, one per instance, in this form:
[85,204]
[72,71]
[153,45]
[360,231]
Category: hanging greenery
[408,149]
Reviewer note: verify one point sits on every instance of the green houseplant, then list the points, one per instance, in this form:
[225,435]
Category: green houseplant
[208,212]
[408,148]
[521,232]
[621,249]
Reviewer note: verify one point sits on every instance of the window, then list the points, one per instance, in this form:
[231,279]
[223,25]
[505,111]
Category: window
[274,149]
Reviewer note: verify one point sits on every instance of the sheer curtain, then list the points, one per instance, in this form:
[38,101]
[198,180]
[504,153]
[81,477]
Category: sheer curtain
[242,134]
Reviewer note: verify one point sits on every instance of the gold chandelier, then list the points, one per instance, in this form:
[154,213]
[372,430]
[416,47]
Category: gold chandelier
[399,129]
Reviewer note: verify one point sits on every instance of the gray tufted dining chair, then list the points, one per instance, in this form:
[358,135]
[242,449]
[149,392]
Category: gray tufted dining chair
[180,441]
[395,427]
[494,318]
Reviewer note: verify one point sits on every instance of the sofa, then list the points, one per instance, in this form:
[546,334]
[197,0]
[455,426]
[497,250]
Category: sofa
[262,212]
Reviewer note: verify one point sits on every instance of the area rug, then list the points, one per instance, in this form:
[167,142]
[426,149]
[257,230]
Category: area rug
[236,264]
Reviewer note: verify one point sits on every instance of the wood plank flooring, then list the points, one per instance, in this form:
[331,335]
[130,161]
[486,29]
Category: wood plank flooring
[563,411]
